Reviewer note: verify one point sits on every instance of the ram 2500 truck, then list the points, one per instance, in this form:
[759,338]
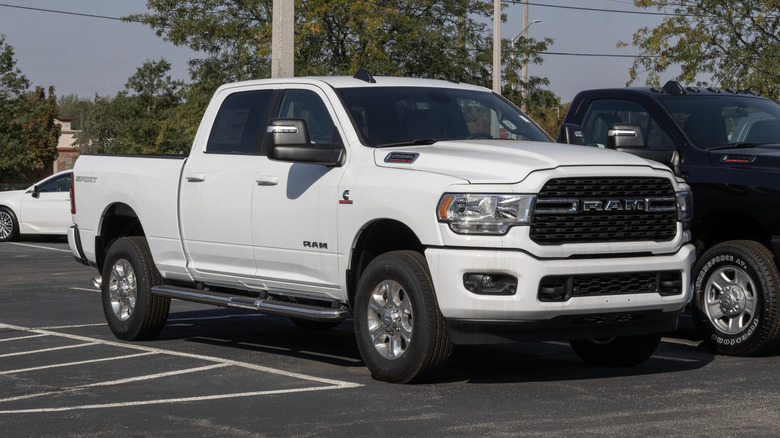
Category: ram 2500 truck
[433,213]
[726,145]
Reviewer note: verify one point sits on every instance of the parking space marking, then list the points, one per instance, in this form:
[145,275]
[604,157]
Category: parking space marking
[114,382]
[19,338]
[177,400]
[217,362]
[70,364]
[46,350]
[38,246]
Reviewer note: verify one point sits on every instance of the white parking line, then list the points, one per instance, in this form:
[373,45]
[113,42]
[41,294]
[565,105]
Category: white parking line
[19,338]
[70,364]
[218,362]
[46,350]
[177,400]
[115,382]
[39,247]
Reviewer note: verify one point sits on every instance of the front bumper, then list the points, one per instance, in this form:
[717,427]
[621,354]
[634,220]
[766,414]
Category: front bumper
[524,315]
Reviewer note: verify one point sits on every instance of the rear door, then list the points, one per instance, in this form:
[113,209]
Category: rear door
[218,185]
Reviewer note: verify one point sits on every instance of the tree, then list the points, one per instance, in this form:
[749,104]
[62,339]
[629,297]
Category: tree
[28,134]
[138,119]
[422,38]
[733,44]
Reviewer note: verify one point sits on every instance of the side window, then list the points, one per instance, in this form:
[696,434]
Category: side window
[59,184]
[307,105]
[240,123]
[603,113]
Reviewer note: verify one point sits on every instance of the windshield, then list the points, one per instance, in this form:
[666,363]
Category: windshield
[727,120]
[395,116]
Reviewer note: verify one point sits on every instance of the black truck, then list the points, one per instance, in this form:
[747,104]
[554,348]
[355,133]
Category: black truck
[725,144]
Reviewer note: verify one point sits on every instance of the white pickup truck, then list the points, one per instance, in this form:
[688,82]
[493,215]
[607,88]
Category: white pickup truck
[433,213]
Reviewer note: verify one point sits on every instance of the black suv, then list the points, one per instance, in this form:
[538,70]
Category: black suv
[726,145]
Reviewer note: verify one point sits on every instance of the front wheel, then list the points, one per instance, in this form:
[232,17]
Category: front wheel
[622,351]
[400,331]
[132,311]
[735,304]
[9,227]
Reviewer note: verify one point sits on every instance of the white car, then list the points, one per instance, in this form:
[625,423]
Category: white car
[43,208]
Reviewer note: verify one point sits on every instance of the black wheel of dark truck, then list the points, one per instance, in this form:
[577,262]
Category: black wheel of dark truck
[735,303]
[133,313]
[399,329]
[622,351]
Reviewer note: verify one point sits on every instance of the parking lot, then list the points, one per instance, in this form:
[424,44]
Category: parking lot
[220,372]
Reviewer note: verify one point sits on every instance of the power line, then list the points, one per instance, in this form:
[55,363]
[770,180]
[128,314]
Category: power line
[605,55]
[579,8]
[79,14]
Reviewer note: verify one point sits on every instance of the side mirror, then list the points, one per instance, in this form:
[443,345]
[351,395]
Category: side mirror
[288,140]
[631,138]
[624,135]
[35,193]
[571,134]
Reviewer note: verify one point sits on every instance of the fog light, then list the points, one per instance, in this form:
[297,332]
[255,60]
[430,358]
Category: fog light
[490,284]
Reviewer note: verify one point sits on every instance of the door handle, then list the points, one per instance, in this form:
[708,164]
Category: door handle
[195,176]
[267,180]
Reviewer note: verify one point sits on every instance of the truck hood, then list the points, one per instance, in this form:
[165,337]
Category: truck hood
[763,157]
[499,161]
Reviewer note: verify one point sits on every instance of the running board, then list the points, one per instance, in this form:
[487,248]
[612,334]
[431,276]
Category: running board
[263,305]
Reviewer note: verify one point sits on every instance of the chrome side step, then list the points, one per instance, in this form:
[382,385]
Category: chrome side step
[264,305]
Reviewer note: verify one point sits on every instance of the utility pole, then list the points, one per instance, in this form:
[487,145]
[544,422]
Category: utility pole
[283,39]
[497,46]
[524,91]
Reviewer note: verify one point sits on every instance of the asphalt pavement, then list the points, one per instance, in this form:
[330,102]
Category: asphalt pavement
[223,372]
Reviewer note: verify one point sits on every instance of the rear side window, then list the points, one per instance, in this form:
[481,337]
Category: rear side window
[240,123]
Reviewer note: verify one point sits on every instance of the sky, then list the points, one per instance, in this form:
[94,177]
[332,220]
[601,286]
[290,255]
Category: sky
[86,56]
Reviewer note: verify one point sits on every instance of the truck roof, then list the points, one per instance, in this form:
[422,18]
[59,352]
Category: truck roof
[673,88]
[364,80]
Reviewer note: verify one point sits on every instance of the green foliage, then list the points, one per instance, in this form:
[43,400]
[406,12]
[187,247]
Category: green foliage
[422,38]
[734,44]
[137,120]
[28,134]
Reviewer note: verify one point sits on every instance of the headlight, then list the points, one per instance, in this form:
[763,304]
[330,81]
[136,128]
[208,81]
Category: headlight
[484,214]
[685,207]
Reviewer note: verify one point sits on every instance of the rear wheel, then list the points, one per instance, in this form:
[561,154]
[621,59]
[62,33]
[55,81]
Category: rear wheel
[735,301]
[9,227]
[400,331]
[133,313]
[622,351]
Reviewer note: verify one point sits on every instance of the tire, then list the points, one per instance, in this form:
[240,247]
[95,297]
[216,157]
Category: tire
[9,226]
[400,332]
[133,313]
[735,299]
[307,324]
[622,351]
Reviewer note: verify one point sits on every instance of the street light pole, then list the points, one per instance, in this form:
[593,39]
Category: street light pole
[525,55]
[524,33]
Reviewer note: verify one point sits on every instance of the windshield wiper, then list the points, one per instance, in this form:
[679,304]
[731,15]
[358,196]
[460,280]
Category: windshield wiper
[415,142]
[738,145]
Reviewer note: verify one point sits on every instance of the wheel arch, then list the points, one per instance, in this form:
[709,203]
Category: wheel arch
[725,226]
[376,238]
[118,220]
